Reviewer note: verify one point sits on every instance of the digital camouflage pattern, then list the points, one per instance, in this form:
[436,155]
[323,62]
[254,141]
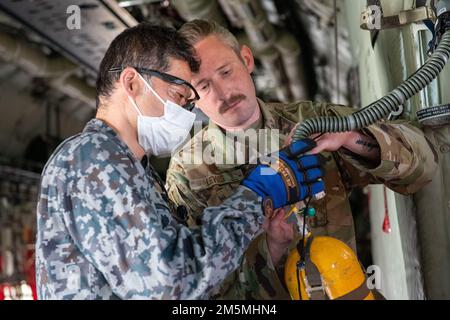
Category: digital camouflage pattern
[106,232]
[408,161]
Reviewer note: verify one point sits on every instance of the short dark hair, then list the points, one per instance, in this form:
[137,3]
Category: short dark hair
[147,46]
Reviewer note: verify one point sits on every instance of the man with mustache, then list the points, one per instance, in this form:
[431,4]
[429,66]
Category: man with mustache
[396,154]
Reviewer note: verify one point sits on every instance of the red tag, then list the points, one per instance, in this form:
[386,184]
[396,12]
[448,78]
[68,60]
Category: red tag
[386,223]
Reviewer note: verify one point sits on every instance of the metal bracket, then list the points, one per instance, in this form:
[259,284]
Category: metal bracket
[372,20]
[396,113]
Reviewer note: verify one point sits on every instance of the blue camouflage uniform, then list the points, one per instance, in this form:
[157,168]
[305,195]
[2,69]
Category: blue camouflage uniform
[106,231]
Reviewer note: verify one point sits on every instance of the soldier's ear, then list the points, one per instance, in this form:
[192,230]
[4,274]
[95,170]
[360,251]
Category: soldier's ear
[129,81]
[247,57]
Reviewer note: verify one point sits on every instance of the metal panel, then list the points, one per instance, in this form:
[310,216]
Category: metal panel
[101,22]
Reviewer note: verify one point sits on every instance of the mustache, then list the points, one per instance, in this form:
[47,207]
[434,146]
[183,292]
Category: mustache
[229,102]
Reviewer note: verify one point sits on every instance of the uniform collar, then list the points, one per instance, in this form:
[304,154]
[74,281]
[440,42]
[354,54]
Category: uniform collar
[269,119]
[97,125]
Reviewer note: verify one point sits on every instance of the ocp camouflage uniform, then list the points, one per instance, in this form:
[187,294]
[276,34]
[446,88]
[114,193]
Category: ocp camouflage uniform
[408,161]
[105,230]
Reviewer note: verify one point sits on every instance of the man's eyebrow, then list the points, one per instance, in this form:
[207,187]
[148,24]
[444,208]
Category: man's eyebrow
[223,66]
[218,69]
[199,82]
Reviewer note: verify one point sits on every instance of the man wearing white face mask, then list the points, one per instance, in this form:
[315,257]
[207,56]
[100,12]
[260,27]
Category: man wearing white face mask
[106,229]
[161,136]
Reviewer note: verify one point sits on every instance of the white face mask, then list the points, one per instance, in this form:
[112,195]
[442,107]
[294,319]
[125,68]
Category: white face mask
[161,136]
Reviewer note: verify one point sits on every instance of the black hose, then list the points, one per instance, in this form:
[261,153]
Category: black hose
[387,104]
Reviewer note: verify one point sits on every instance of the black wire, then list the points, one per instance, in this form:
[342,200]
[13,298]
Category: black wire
[302,244]
[302,248]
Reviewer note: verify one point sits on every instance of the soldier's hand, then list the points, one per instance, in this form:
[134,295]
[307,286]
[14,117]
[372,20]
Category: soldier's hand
[332,141]
[289,177]
[354,141]
[327,141]
[280,234]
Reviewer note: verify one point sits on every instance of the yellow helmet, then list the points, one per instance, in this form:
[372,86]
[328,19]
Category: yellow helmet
[329,270]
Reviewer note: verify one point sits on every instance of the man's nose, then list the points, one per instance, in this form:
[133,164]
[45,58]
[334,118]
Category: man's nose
[220,91]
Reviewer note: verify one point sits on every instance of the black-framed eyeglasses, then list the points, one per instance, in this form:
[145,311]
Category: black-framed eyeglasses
[190,102]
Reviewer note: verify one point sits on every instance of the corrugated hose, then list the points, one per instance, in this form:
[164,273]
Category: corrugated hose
[387,104]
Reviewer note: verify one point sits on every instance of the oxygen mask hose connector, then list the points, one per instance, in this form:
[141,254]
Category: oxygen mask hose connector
[443,18]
